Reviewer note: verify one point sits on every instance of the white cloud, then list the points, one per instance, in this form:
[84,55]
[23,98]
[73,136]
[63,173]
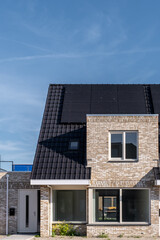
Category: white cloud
[80,55]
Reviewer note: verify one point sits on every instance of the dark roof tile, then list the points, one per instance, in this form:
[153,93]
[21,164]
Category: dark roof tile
[53,160]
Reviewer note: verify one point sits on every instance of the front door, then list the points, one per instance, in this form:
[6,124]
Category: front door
[27,211]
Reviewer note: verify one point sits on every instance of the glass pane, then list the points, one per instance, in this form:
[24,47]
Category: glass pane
[131,145]
[73,145]
[107,202]
[135,205]
[27,210]
[69,205]
[114,202]
[107,205]
[116,145]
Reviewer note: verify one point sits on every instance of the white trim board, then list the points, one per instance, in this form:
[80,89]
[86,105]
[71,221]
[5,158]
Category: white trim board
[157,182]
[59,182]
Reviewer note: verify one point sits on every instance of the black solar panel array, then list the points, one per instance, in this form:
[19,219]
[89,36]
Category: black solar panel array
[102,99]
[155,91]
[64,120]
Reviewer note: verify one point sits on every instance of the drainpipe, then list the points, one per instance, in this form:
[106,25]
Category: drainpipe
[7,176]
[50,228]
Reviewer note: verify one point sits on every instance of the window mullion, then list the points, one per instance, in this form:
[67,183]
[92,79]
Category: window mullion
[124,145]
[120,205]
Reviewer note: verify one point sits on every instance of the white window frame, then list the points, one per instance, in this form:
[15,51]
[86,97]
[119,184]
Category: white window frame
[123,146]
[120,222]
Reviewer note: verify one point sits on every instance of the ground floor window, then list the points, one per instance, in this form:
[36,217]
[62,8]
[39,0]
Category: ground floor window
[135,205]
[122,205]
[107,205]
[69,205]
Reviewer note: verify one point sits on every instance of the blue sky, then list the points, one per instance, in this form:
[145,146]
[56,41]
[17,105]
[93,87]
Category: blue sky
[68,41]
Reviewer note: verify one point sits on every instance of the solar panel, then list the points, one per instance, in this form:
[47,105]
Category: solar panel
[77,93]
[76,103]
[104,108]
[104,93]
[131,99]
[155,91]
[104,99]
[80,100]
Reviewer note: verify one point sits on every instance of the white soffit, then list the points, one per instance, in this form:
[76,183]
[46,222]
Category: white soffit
[59,182]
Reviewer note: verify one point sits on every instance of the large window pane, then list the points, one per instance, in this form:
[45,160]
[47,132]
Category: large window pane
[131,145]
[116,145]
[107,205]
[69,205]
[135,205]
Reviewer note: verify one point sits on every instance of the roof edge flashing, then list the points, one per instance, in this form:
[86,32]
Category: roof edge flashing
[107,115]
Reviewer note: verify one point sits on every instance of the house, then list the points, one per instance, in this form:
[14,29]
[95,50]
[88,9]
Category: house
[97,159]
[96,164]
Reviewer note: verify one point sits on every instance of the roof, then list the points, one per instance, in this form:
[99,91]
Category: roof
[53,159]
[64,120]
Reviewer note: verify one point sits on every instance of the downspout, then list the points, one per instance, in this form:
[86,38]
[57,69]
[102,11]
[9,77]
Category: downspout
[7,176]
[50,228]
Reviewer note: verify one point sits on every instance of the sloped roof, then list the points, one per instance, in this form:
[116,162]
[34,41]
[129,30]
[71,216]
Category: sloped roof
[65,120]
[53,159]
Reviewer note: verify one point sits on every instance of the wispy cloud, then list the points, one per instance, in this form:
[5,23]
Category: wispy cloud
[17,157]
[94,33]
[10,93]
[4,120]
[139,77]
[9,146]
[79,55]
[26,44]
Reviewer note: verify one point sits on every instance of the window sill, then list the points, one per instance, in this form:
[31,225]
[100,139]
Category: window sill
[71,222]
[119,224]
[123,161]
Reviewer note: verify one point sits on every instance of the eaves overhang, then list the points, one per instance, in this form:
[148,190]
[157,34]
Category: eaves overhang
[73,182]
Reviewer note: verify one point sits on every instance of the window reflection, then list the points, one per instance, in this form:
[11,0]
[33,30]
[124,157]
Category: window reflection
[131,145]
[107,207]
[116,145]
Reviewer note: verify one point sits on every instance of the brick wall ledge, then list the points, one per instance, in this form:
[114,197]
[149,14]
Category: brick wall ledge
[119,224]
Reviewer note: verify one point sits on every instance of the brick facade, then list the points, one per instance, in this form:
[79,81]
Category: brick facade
[16,180]
[45,211]
[107,174]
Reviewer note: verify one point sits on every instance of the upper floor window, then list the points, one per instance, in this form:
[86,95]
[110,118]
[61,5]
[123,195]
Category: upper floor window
[123,145]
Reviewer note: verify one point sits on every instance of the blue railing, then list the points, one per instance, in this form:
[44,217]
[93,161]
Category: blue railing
[22,167]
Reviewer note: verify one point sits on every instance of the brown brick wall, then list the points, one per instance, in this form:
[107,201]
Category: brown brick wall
[107,174]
